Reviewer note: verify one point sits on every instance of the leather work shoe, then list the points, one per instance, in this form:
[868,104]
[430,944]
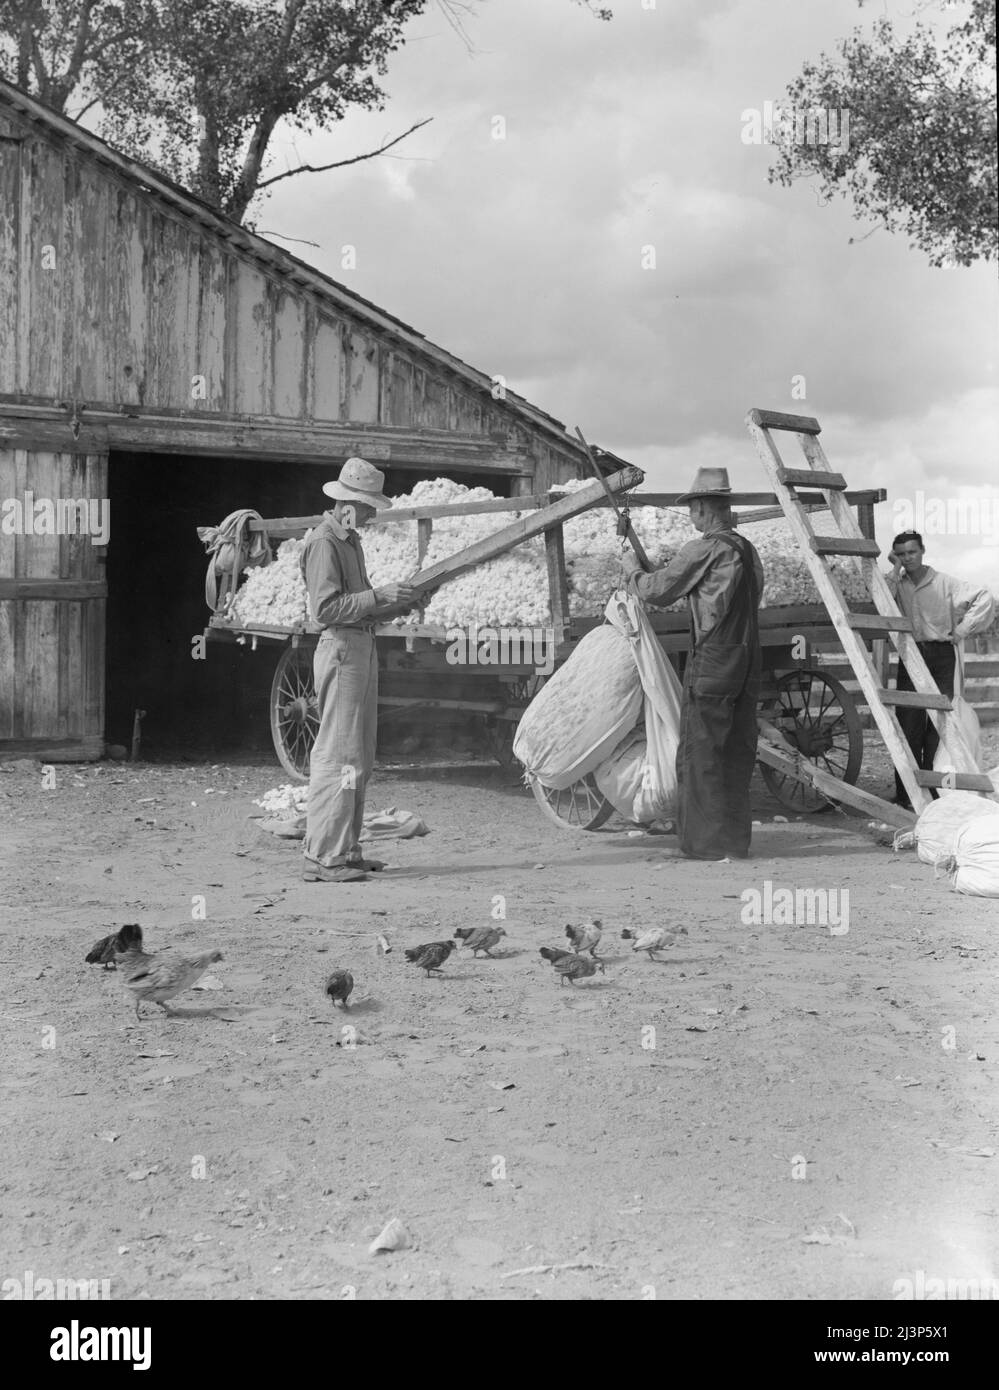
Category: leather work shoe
[368,866]
[318,873]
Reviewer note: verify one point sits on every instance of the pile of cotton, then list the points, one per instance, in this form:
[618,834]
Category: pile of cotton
[512,591]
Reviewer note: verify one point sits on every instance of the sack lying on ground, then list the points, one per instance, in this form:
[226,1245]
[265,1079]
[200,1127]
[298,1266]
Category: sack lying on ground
[639,778]
[974,865]
[389,824]
[579,716]
[935,832]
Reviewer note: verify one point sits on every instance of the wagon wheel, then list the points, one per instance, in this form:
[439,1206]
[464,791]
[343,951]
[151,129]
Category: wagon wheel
[818,717]
[499,732]
[294,714]
[580,807]
[499,740]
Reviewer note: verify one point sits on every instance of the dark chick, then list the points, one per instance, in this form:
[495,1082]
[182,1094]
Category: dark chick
[554,953]
[110,949]
[573,968]
[159,979]
[480,938]
[339,987]
[430,956]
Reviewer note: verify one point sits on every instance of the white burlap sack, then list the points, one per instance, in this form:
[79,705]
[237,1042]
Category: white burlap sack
[974,866]
[639,778]
[936,831]
[580,715]
[964,715]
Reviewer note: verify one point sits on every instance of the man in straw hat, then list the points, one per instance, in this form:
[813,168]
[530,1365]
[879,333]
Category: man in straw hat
[346,673]
[721,577]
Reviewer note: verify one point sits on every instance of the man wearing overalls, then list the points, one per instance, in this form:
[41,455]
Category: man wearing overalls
[345,667]
[721,577]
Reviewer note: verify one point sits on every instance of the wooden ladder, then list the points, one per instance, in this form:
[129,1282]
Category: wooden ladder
[888,621]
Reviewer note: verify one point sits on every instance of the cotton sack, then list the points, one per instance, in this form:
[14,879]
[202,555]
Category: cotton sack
[974,865]
[964,716]
[936,831]
[579,716]
[639,778]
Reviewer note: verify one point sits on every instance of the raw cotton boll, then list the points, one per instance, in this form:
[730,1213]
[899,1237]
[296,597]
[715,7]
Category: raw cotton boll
[285,798]
[274,594]
[511,591]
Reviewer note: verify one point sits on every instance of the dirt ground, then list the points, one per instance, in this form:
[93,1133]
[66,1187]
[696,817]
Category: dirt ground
[770,1111]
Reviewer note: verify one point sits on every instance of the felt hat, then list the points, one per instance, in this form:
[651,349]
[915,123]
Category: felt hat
[359,481]
[710,482]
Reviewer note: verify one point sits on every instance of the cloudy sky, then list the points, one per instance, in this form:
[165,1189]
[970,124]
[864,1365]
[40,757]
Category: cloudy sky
[524,255]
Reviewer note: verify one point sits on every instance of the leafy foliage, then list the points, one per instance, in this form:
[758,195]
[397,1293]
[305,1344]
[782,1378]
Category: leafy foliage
[197,87]
[921,155]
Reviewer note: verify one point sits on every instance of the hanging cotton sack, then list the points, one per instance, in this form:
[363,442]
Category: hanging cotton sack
[974,865]
[639,778]
[935,832]
[965,717]
[579,716]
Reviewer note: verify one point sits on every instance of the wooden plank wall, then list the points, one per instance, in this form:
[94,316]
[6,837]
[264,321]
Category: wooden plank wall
[52,649]
[135,304]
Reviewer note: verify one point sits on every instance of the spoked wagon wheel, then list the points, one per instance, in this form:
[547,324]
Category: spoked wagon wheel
[499,732]
[817,715]
[294,715]
[582,806]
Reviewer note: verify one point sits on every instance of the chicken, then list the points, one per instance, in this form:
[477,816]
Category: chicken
[339,986]
[110,949]
[430,956]
[553,953]
[657,939]
[573,968]
[153,977]
[480,938]
[586,937]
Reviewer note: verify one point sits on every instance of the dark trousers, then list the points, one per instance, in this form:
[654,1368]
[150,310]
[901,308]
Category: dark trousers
[918,727]
[714,764]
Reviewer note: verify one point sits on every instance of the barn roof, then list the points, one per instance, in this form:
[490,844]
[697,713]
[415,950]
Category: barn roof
[279,262]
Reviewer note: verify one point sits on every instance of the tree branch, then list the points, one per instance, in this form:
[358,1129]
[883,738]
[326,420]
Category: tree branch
[339,163]
[75,64]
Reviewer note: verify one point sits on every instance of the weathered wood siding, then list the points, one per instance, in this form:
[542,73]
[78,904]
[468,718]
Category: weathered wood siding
[112,297]
[52,604]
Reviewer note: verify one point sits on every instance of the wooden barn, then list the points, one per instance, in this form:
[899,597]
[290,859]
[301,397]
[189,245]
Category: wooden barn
[161,366]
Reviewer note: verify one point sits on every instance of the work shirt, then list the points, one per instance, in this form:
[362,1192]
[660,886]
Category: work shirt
[942,609]
[707,572]
[332,564]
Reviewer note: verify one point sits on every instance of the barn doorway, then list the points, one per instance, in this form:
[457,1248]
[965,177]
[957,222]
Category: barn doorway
[156,605]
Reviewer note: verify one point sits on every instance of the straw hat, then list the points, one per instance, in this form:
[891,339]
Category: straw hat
[710,482]
[359,481]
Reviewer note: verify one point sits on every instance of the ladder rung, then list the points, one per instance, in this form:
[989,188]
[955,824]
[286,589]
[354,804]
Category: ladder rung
[844,545]
[915,699]
[774,420]
[811,477]
[878,622]
[958,781]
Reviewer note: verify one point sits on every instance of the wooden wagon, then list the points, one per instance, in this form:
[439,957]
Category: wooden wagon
[811,707]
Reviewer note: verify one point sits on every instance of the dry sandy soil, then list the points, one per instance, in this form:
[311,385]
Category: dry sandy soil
[800,1129]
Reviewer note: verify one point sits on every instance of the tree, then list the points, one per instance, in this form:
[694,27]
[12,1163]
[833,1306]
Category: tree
[197,88]
[921,152]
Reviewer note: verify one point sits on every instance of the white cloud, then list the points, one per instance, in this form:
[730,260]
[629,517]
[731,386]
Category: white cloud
[523,256]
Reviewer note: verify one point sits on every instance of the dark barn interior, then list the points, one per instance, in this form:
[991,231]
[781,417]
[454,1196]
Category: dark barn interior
[156,606]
